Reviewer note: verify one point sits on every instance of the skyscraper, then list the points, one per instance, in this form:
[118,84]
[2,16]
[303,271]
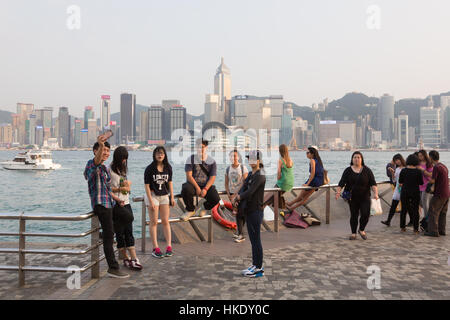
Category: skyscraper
[105,112]
[403,135]
[386,117]
[77,133]
[127,117]
[430,126]
[155,123]
[166,105]
[64,127]
[88,114]
[177,118]
[144,126]
[23,110]
[222,85]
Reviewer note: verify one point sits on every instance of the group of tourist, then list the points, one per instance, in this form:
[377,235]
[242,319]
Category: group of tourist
[109,190]
[420,184]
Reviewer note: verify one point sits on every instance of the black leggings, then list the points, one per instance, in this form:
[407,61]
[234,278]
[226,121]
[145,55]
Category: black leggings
[410,205]
[357,207]
[124,232]
[254,220]
[394,206]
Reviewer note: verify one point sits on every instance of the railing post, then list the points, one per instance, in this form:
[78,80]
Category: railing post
[327,207]
[144,225]
[22,229]
[95,253]
[275,211]
[210,229]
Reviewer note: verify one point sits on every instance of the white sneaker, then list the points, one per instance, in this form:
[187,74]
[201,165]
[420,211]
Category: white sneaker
[202,213]
[236,235]
[249,269]
[254,273]
[239,239]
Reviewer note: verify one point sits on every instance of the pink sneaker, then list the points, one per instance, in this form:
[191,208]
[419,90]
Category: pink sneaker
[169,251]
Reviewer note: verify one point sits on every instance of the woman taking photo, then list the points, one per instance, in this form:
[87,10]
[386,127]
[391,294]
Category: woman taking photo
[122,212]
[358,180]
[400,164]
[316,174]
[158,196]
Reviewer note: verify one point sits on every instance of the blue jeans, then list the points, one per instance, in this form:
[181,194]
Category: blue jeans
[254,221]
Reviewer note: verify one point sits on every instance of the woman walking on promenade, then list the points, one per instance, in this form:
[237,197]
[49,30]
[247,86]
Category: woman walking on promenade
[316,175]
[158,187]
[400,164]
[251,197]
[285,173]
[358,180]
[410,179]
[426,166]
[235,176]
[122,212]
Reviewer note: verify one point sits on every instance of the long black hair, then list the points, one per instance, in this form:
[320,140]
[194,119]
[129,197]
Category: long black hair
[117,165]
[362,158]
[426,157]
[315,154]
[165,160]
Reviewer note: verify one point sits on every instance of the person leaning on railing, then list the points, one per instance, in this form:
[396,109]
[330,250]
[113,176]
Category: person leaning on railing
[358,180]
[102,202]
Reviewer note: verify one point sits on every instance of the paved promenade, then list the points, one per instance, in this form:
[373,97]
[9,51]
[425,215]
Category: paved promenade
[316,263]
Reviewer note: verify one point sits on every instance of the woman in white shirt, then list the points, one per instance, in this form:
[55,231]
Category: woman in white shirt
[122,212]
[400,164]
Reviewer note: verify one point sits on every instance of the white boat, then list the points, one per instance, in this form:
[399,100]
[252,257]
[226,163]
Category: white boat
[32,160]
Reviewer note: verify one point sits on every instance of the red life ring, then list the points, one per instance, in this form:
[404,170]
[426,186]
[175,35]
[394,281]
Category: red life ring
[226,223]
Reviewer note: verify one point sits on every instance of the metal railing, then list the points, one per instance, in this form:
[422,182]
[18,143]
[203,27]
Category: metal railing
[95,260]
[22,250]
[276,192]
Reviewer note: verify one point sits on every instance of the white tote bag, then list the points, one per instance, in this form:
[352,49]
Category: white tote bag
[375,207]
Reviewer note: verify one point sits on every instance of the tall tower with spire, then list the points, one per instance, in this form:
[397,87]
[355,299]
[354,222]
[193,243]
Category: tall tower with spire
[222,85]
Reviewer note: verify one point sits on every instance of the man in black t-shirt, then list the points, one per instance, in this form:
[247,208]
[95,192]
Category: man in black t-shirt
[201,172]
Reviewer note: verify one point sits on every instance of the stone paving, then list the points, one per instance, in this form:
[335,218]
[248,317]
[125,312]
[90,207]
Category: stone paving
[411,267]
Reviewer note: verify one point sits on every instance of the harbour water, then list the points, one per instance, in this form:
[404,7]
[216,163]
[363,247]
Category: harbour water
[65,191]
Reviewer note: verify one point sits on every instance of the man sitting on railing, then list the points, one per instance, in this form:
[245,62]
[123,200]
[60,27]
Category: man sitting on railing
[102,202]
[201,171]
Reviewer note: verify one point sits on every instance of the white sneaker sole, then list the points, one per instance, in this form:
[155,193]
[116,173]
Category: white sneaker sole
[116,276]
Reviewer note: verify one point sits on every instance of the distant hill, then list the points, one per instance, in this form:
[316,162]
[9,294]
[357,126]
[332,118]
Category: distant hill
[5,117]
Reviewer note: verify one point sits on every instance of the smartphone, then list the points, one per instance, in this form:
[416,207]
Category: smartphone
[108,134]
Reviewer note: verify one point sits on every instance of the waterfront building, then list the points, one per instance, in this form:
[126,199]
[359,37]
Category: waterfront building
[105,111]
[63,127]
[222,86]
[24,110]
[143,129]
[177,118]
[430,126]
[156,123]
[329,130]
[127,117]
[386,117]
[402,131]
[88,114]
[92,132]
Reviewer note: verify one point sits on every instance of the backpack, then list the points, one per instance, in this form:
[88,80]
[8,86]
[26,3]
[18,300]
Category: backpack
[242,170]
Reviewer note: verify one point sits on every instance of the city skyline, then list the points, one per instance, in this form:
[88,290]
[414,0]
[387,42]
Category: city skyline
[174,61]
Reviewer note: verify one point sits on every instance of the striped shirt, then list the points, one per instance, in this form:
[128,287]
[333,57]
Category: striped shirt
[99,184]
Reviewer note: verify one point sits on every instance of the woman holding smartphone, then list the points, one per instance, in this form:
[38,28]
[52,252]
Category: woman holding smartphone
[158,196]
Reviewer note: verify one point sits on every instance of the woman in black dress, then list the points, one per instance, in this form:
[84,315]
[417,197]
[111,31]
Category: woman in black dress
[358,180]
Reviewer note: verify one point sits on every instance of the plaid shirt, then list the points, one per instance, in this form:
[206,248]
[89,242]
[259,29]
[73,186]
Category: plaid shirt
[99,184]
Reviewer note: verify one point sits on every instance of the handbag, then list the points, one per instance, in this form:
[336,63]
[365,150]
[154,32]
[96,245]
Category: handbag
[347,194]
[375,207]
[293,220]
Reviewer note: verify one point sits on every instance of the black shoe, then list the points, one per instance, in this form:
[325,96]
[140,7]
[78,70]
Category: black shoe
[364,236]
[386,223]
[431,234]
[410,224]
[442,233]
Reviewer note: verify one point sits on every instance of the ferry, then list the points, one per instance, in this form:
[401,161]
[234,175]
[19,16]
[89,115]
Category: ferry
[32,160]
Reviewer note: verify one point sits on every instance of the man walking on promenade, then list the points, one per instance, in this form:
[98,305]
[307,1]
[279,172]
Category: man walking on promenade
[439,202]
[102,202]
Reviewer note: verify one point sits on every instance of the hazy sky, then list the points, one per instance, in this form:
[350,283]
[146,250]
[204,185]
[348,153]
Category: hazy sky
[170,49]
